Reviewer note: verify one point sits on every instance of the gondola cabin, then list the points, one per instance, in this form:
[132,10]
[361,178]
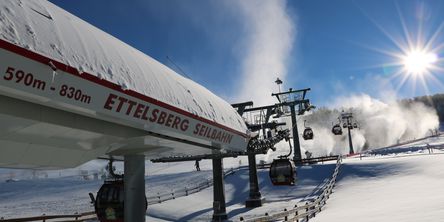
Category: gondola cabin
[282,172]
[108,204]
[337,130]
[308,134]
[109,201]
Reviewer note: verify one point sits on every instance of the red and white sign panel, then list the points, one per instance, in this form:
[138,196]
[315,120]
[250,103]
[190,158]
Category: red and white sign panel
[33,77]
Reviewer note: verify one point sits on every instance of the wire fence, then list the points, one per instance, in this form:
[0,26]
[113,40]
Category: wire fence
[159,198]
[303,211]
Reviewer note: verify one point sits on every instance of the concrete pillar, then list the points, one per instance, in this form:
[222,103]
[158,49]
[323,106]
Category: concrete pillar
[134,185]
[219,208]
[255,197]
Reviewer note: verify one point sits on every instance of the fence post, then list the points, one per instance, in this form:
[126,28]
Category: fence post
[44,218]
[306,210]
[286,216]
[315,211]
[296,213]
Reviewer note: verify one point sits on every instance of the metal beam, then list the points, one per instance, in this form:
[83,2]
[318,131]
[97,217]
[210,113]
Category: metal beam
[241,106]
[203,157]
[294,102]
[256,127]
[291,91]
[260,108]
[255,147]
[194,158]
[296,146]
[236,105]
[291,103]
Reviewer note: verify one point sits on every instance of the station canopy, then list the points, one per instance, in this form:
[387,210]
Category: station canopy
[71,93]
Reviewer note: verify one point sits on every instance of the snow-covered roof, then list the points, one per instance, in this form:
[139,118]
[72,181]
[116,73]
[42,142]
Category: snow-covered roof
[44,28]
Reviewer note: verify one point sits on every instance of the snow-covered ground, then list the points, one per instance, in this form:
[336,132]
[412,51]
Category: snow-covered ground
[66,192]
[400,186]
[69,194]
[198,207]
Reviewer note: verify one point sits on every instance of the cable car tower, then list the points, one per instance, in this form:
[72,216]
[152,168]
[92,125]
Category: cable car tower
[349,123]
[288,101]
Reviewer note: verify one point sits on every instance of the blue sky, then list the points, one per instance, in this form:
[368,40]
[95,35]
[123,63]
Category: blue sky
[337,48]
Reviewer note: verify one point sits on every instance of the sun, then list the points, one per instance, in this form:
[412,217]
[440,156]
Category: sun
[416,58]
[418,62]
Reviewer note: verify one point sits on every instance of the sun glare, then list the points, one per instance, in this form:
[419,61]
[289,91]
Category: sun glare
[419,62]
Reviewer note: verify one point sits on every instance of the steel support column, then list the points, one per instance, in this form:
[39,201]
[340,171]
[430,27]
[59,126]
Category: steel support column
[255,197]
[296,146]
[350,139]
[134,185]
[219,208]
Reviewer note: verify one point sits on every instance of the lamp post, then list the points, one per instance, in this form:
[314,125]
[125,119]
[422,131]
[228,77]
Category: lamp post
[278,82]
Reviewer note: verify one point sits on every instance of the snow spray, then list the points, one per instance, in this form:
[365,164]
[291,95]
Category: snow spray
[380,124]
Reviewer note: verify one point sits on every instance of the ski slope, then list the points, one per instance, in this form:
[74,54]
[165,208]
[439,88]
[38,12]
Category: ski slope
[198,207]
[398,187]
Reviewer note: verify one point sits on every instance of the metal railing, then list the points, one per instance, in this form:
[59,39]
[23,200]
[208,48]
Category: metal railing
[303,210]
[159,198]
[47,218]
